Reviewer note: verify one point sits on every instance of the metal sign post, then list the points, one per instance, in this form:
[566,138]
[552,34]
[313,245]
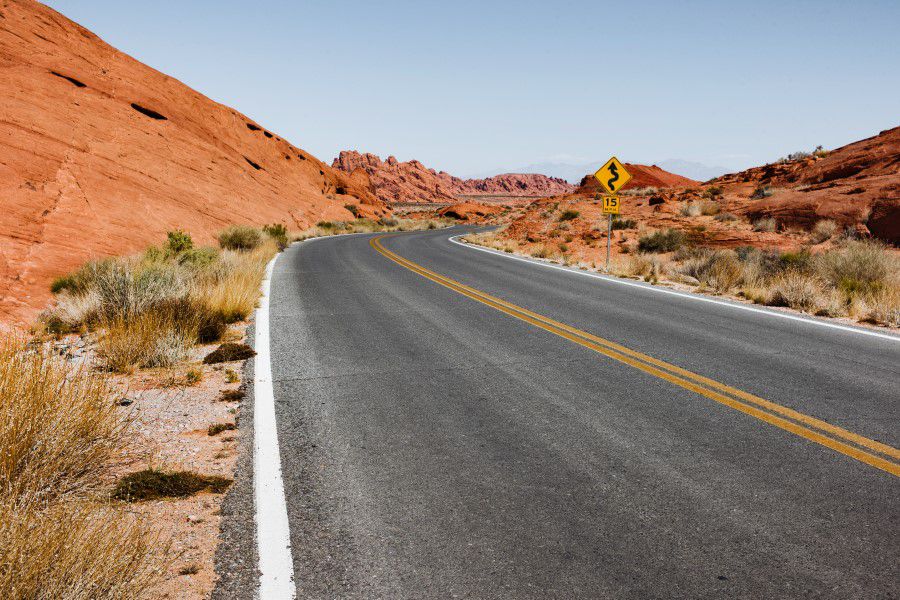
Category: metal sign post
[613,177]
[608,239]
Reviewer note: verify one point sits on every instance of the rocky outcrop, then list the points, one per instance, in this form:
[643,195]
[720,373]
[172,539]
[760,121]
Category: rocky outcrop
[393,181]
[857,185]
[101,155]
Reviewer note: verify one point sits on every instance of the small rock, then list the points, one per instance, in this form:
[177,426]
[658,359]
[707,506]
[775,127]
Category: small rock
[125,402]
[194,519]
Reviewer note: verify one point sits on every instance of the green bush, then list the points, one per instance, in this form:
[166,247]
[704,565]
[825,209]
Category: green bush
[666,240]
[277,232]
[197,258]
[568,215]
[859,267]
[179,241]
[713,192]
[240,237]
[620,223]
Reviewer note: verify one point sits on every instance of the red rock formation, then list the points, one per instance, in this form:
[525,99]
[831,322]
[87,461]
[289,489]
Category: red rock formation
[101,155]
[469,211]
[393,181]
[857,185]
[641,176]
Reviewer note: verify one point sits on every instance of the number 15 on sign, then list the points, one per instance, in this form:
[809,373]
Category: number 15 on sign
[610,205]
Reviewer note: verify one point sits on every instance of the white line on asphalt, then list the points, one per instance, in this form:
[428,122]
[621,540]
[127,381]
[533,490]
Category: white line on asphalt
[273,540]
[650,288]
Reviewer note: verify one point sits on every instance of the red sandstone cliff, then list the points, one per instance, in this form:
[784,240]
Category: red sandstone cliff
[101,155]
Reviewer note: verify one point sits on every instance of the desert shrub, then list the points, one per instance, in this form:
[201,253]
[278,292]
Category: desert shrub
[666,240]
[713,192]
[217,428]
[240,237]
[822,231]
[58,425]
[766,224]
[388,222]
[726,217]
[800,261]
[709,208]
[152,484]
[353,208]
[278,233]
[883,306]
[231,376]
[82,279]
[193,376]
[720,270]
[568,215]
[151,339]
[690,209]
[797,290]
[540,251]
[620,223]
[794,156]
[761,191]
[178,241]
[860,267]
[197,258]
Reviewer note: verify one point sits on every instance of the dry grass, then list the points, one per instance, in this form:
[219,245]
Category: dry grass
[151,339]
[798,291]
[325,228]
[231,289]
[720,271]
[59,431]
[58,425]
[766,225]
[822,231]
[76,550]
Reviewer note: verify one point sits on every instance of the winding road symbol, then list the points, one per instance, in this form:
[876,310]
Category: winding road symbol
[611,183]
[613,175]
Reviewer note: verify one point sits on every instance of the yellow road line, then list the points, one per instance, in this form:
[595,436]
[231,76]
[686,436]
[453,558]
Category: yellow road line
[785,418]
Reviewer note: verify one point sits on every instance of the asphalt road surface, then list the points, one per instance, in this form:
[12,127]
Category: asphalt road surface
[459,424]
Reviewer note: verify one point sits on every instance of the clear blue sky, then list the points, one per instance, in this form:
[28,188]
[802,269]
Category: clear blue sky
[468,86]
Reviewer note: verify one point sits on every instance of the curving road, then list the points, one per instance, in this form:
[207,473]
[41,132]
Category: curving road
[458,423]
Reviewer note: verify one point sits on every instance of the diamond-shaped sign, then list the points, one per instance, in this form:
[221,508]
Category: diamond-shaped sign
[612,176]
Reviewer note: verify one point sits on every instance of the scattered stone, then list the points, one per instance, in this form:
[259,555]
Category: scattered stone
[125,402]
[228,352]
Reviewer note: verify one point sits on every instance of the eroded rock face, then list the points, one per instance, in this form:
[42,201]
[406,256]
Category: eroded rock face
[857,185]
[101,155]
[393,181]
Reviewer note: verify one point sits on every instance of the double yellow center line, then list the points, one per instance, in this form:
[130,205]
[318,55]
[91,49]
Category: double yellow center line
[863,449]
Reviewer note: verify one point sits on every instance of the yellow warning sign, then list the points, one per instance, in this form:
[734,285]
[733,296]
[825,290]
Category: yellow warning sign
[612,176]
[610,205]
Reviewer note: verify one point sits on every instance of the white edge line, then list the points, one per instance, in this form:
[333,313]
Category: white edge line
[273,540]
[735,305]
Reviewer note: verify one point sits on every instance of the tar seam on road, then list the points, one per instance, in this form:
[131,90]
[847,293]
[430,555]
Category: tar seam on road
[276,564]
[871,452]
[607,278]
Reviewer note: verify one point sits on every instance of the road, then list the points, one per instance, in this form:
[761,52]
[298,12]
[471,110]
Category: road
[458,423]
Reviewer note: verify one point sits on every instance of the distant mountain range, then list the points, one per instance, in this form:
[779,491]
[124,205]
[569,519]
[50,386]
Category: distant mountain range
[573,172]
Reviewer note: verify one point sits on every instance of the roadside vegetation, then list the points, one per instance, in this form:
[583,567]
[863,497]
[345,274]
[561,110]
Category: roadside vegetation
[363,225]
[59,536]
[853,278]
[65,527]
